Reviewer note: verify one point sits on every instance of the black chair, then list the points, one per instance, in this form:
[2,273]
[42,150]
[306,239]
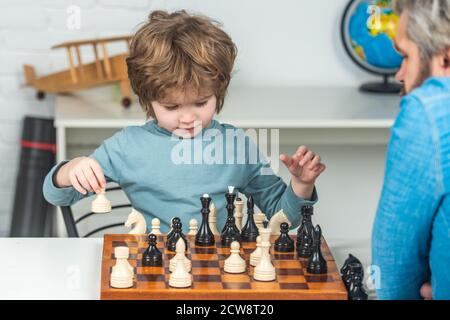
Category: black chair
[71,223]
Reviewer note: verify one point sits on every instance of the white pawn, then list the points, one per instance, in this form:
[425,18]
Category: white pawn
[264,270]
[180,255]
[255,256]
[156,226]
[193,227]
[180,277]
[238,214]
[212,220]
[234,263]
[101,204]
[122,274]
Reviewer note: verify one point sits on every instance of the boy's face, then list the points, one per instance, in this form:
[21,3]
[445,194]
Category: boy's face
[184,112]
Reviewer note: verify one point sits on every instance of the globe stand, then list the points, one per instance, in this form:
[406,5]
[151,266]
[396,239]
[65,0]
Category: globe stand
[381,87]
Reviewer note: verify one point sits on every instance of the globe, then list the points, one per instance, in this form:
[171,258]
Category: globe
[368,31]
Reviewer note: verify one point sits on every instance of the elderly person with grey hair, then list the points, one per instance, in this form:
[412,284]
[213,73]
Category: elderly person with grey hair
[411,233]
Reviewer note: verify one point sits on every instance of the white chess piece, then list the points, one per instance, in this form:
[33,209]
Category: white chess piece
[259,218]
[101,204]
[276,220]
[234,263]
[264,270]
[180,255]
[137,220]
[193,227]
[156,226]
[180,277]
[255,256]
[238,214]
[122,274]
[212,219]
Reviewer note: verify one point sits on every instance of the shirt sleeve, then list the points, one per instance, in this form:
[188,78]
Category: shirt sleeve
[271,193]
[108,155]
[402,227]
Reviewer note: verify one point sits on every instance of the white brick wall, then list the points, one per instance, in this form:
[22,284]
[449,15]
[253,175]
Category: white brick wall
[272,37]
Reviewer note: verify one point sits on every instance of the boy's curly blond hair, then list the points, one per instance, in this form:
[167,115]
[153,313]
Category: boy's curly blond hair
[180,51]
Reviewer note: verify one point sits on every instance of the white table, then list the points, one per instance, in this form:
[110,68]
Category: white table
[61,268]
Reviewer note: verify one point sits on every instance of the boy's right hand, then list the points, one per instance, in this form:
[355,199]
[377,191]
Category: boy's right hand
[83,173]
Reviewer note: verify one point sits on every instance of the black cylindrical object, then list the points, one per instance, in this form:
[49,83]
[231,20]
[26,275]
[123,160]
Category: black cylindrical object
[30,212]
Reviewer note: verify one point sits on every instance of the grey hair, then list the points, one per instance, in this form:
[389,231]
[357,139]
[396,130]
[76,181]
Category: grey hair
[428,25]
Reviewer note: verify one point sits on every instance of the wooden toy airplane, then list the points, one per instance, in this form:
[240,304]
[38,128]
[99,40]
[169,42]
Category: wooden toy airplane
[83,76]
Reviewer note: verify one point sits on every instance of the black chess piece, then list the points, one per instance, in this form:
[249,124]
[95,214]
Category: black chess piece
[305,233]
[356,290]
[284,243]
[204,236]
[173,221]
[152,257]
[177,234]
[230,231]
[345,270]
[316,262]
[250,230]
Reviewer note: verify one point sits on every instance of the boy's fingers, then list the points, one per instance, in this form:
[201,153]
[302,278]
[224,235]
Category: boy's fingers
[286,159]
[98,173]
[92,180]
[301,151]
[309,155]
[314,162]
[83,181]
[74,181]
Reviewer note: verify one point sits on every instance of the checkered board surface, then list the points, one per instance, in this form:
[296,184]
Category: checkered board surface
[210,281]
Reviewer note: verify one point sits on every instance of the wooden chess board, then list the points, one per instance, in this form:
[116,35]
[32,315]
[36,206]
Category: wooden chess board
[209,279]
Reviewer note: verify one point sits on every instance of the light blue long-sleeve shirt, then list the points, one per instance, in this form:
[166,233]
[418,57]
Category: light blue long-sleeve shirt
[165,177]
[411,234]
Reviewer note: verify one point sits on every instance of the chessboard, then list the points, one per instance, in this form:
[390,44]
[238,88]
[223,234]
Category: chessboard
[210,281]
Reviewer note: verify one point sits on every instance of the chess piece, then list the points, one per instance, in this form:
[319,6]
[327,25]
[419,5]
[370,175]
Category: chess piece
[230,232]
[180,255]
[238,214]
[250,230]
[193,227]
[276,221]
[173,222]
[284,243]
[180,277]
[101,204]
[345,270]
[152,257]
[122,274]
[137,220]
[212,220]
[264,270]
[316,262]
[177,234]
[204,236]
[259,219]
[356,290]
[234,263]
[156,227]
[255,256]
[305,233]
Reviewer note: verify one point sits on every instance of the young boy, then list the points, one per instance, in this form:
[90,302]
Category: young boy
[180,66]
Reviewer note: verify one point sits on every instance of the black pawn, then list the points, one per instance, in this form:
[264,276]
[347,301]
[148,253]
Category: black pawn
[316,262]
[356,290]
[250,230]
[152,257]
[284,243]
[177,234]
[204,236]
[305,233]
[173,221]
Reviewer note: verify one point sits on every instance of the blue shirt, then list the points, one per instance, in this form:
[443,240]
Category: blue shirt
[411,233]
[165,177]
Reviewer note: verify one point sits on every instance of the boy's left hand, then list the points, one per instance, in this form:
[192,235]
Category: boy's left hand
[305,166]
